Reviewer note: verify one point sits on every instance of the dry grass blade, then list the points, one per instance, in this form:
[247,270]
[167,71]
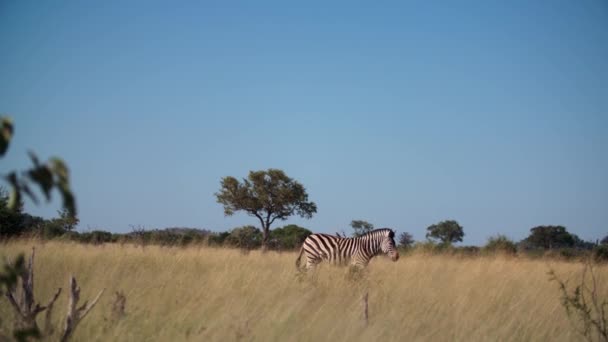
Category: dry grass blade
[365,308]
[118,307]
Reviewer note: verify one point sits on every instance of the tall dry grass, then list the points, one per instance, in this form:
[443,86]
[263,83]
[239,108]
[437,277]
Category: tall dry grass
[197,294]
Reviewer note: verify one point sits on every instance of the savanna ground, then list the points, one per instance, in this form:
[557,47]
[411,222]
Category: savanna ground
[202,294]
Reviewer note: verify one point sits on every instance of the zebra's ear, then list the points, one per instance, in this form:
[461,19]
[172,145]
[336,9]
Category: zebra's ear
[391,234]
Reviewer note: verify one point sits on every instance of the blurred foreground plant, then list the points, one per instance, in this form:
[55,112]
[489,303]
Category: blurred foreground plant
[53,174]
[585,308]
[26,309]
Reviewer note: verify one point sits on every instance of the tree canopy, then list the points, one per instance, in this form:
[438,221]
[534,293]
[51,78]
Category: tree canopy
[548,237]
[406,240]
[268,195]
[361,227]
[447,232]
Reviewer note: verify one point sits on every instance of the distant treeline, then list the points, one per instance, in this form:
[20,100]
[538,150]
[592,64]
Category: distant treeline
[500,245]
[289,237]
[18,224]
[551,241]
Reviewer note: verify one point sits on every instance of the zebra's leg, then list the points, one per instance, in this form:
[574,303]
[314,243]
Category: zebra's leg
[357,267]
[312,262]
[310,265]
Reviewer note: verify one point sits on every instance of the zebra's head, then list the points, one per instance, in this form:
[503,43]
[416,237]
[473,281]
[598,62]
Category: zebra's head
[388,245]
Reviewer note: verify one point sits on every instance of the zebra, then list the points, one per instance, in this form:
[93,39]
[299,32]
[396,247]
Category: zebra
[338,250]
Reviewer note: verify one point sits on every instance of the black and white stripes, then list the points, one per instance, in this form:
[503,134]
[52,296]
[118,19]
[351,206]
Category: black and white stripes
[356,251]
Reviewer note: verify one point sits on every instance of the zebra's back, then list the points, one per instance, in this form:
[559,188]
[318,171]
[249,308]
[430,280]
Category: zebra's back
[320,246]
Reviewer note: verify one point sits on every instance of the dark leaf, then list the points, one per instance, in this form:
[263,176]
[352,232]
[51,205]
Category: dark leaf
[69,202]
[60,169]
[26,189]
[34,158]
[14,200]
[6,133]
[42,176]
[11,271]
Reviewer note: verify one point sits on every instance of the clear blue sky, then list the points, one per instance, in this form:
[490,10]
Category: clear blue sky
[402,114]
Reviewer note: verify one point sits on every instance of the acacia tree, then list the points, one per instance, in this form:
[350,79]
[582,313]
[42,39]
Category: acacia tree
[268,195]
[447,232]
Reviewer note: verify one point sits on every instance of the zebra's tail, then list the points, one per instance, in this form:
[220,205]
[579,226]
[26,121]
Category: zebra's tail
[299,257]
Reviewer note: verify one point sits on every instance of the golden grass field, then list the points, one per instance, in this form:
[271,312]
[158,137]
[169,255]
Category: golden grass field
[209,294]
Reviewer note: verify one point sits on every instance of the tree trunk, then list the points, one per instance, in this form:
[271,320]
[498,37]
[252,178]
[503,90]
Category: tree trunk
[265,238]
[265,231]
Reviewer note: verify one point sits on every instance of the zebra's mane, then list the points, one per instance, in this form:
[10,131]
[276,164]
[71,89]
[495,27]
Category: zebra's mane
[383,231]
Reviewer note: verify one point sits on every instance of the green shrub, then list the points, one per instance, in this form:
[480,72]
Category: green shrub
[600,253]
[571,253]
[500,244]
[428,247]
[566,254]
[96,237]
[49,229]
[468,251]
[218,239]
[288,237]
[246,237]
